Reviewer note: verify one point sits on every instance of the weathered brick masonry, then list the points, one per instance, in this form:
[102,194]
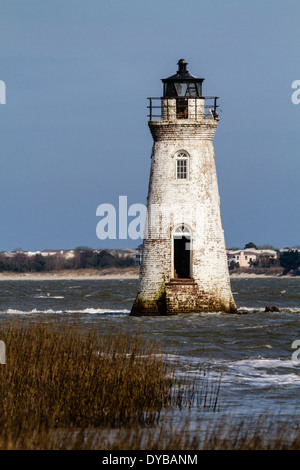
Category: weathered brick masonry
[188,205]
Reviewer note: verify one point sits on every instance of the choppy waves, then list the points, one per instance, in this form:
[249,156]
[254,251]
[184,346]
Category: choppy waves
[285,309]
[258,373]
[88,311]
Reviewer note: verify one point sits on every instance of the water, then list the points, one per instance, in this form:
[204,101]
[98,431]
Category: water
[253,348]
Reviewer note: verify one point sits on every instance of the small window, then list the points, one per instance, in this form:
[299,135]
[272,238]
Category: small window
[181,169]
[182,166]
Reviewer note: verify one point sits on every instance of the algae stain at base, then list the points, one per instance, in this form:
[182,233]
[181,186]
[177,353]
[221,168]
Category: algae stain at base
[157,306]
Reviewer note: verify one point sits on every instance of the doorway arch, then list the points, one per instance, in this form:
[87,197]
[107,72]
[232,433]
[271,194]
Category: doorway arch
[182,252]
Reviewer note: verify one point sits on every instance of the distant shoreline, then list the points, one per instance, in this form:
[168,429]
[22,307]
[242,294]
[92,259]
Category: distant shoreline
[112,273]
[254,276]
[78,274]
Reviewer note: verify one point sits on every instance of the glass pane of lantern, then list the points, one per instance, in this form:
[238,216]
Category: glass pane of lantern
[198,89]
[181,88]
[191,90]
[170,90]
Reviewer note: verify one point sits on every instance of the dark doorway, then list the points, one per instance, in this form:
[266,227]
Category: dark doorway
[182,108]
[182,257]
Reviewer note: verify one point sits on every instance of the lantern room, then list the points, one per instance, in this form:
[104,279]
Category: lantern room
[182,98]
[182,84]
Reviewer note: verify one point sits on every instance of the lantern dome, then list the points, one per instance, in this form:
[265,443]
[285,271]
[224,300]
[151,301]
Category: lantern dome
[182,84]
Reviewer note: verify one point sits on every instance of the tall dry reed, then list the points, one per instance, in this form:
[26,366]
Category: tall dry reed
[58,377]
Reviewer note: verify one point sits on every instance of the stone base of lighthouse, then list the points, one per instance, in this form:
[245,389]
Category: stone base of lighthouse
[182,296]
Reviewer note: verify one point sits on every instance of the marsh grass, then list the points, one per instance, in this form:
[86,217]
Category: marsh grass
[262,433]
[58,377]
[63,388]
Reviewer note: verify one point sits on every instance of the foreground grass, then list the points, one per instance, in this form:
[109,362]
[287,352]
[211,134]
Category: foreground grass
[58,378]
[62,388]
[227,435]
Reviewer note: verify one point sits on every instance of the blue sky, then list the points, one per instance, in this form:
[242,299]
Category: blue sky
[74,130]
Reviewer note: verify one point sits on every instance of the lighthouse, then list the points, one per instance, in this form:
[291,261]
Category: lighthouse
[184,266]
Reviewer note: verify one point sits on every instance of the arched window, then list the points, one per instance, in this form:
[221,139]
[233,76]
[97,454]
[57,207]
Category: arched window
[182,166]
[181,231]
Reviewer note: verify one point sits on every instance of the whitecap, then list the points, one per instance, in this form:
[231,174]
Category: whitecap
[12,311]
[260,372]
[90,311]
[251,309]
[48,296]
[93,311]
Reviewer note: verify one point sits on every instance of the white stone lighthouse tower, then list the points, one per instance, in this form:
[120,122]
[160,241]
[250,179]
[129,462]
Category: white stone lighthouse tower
[184,263]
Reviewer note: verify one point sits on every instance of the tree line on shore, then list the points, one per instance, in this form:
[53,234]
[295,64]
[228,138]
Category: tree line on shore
[87,258]
[84,258]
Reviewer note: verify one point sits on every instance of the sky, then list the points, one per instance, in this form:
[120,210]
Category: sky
[74,130]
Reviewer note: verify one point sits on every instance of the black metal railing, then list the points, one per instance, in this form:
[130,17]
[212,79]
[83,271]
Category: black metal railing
[207,110]
[151,107]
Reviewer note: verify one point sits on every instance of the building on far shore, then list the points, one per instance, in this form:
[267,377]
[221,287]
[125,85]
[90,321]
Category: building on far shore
[247,256]
[64,253]
[284,250]
[123,252]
